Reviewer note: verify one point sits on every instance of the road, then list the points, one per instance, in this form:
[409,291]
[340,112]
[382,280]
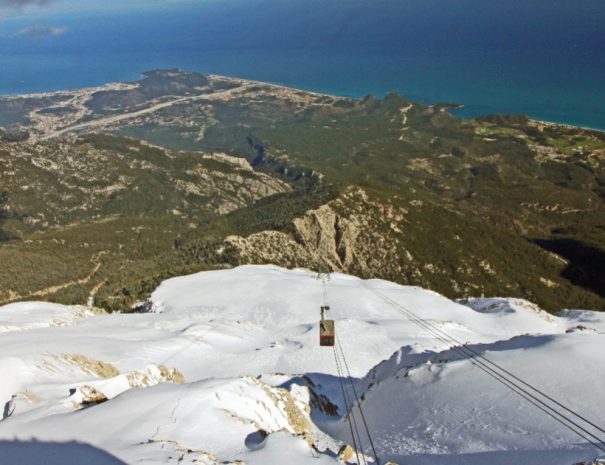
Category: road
[135,114]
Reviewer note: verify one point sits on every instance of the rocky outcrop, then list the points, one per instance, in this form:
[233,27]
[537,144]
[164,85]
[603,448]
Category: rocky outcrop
[154,374]
[271,247]
[96,392]
[271,409]
[86,396]
[352,233]
[233,186]
[101,176]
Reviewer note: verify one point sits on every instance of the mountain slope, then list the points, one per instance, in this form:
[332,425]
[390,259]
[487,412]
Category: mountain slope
[498,205]
[227,367]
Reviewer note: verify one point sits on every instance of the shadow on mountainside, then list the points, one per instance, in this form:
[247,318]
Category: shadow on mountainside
[3,216]
[586,267]
[3,235]
[53,453]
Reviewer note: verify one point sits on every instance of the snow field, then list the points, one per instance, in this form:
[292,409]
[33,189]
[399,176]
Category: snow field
[225,366]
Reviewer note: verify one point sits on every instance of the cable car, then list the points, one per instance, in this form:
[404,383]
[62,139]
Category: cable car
[326,329]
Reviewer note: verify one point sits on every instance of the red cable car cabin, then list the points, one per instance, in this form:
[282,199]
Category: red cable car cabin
[326,330]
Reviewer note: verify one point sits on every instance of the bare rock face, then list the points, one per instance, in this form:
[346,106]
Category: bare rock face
[85,396]
[233,187]
[352,234]
[271,247]
[244,187]
[346,453]
[329,235]
[153,375]
[349,455]
[113,176]
[88,395]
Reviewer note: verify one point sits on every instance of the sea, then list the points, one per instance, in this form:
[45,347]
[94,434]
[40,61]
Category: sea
[544,58]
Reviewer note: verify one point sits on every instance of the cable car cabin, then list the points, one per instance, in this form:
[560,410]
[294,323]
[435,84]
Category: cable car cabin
[326,329]
[326,333]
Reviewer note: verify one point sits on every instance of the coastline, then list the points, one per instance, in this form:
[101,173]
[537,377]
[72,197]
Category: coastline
[567,125]
[120,84]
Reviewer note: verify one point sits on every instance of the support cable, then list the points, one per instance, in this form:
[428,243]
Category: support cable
[512,375]
[352,424]
[358,402]
[475,357]
[483,363]
[324,276]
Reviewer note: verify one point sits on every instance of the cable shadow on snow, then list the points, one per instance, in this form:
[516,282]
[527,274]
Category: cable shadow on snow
[53,453]
[327,386]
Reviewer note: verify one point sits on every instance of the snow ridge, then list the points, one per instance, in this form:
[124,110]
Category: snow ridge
[226,368]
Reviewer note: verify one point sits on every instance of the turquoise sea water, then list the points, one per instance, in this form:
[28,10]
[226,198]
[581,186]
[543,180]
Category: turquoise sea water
[543,58]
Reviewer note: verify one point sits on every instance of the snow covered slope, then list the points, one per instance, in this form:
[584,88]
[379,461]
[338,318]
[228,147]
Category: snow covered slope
[227,367]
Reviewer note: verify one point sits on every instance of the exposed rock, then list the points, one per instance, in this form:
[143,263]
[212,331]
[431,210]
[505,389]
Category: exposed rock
[86,395]
[271,247]
[273,409]
[235,187]
[107,175]
[238,162]
[297,413]
[323,404]
[352,234]
[580,328]
[154,374]
[90,366]
[346,453]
